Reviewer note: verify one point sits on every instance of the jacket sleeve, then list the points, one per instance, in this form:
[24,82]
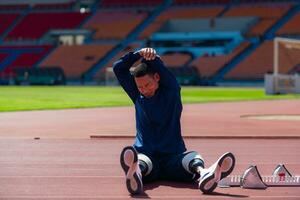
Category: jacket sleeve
[167,79]
[121,70]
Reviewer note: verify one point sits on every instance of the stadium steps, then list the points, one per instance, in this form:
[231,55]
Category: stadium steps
[226,8]
[8,60]
[271,33]
[12,26]
[233,62]
[126,41]
[51,50]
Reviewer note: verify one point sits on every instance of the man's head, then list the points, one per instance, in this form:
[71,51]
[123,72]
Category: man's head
[147,81]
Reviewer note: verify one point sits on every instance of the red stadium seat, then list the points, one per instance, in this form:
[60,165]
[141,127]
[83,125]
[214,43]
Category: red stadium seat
[28,56]
[35,25]
[6,19]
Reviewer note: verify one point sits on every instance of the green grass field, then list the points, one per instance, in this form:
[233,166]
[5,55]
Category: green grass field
[44,98]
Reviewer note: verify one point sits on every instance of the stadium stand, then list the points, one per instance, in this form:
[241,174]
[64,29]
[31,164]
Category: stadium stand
[13,7]
[6,19]
[176,59]
[261,27]
[13,57]
[76,60]
[208,65]
[3,56]
[268,15]
[53,6]
[112,24]
[129,3]
[193,2]
[180,13]
[260,62]
[254,66]
[292,27]
[35,25]
[207,25]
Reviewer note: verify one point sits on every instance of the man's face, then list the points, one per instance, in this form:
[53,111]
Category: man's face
[148,84]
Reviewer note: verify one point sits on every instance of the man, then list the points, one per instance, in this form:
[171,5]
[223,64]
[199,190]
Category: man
[159,151]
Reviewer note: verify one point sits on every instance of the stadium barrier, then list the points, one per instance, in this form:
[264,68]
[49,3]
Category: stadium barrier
[40,76]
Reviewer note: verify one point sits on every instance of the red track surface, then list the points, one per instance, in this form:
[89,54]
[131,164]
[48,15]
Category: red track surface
[213,119]
[82,168]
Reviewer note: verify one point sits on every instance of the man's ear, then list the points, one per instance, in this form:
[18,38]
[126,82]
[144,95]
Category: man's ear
[156,77]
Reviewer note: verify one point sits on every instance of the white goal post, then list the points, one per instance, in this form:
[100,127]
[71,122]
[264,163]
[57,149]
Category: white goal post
[286,58]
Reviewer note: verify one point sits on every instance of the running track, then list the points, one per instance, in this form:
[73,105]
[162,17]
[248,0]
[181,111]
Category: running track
[66,164]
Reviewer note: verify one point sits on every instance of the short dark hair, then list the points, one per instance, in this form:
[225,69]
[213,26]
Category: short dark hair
[141,69]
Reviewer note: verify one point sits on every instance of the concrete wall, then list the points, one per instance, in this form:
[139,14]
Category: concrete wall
[203,25]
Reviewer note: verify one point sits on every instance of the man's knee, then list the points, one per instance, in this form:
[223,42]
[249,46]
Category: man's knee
[192,161]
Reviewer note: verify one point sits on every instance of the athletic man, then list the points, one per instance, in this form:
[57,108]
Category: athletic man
[159,151]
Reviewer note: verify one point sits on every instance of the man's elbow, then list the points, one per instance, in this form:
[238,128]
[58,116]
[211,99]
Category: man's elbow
[116,66]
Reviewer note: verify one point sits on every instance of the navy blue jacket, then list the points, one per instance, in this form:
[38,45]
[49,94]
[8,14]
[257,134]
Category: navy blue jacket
[158,117]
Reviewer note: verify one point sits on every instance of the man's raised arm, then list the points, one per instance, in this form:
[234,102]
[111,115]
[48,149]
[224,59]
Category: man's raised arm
[121,70]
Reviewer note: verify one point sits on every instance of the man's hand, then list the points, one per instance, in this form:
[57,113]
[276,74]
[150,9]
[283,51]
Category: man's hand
[148,53]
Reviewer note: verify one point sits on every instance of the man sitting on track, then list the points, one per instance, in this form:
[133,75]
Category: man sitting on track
[159,152]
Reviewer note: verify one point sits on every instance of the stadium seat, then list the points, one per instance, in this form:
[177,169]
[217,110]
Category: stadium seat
[291,27]
[255,66]
[35,25]
[20,56]
[6,20]
[53,6]
[129,3]
[13,7]
[76,60]
[176,59]
[208,65]
[268,15]
[109,24]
